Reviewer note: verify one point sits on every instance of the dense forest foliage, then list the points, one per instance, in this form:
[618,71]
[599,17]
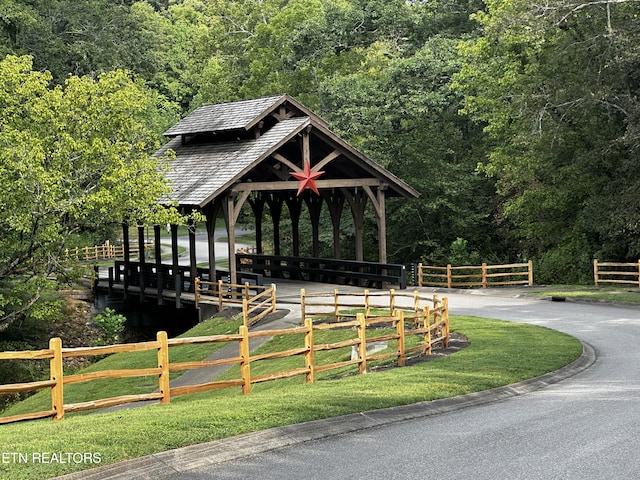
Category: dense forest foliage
[517,122]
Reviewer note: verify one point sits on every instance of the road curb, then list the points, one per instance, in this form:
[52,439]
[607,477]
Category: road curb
[169,463]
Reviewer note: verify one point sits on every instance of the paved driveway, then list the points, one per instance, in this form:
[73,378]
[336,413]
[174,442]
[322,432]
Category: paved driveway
[584,427]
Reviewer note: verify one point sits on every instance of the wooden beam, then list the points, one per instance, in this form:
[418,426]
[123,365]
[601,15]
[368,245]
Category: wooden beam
[284,160]
[293,185]
[332,156]
[306,148]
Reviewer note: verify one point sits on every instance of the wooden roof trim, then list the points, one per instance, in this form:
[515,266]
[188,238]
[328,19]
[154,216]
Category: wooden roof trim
[398,185]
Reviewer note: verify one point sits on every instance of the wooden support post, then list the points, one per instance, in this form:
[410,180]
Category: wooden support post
[449,279]
[163,365]
[400,332]
[219,295]
[57,375]
[193,259]
[309,357]
[245,365]
[530,273]
[175,262]
[127,258]
[336,307]
[420,279]
[141,261]
[158,259]
[362,347]
[595,271]
[416,301]
[110,270]
[178,276]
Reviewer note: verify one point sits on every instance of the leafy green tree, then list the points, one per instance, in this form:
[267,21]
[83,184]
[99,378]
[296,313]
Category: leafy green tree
[73,157]
[557,86]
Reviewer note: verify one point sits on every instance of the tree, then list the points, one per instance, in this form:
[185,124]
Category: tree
[402,112]
[73,157]
[557,86]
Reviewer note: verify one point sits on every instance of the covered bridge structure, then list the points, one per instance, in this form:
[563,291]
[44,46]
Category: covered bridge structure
[274,152]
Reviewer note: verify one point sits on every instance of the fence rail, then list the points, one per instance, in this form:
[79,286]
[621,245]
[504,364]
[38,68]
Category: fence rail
[476,276]
[257,301]
[341,305]
[100,252]
[627,273]
[429,325]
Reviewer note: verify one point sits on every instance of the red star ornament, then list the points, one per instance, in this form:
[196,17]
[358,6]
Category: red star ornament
[307,179]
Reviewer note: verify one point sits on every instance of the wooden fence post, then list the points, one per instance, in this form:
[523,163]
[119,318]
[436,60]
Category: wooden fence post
[392,301]
[400,331]
[420,274]
[245,312]
[638,273]
[245,365]
[484,275]
[163,365]
[274,300]
[303,294]
[445,317]
[595,271]
[449,279]
[57,375]
[309,357]
[427,334]
[530,262]
[362,348]
[367,307]
[336,308]
[219,295]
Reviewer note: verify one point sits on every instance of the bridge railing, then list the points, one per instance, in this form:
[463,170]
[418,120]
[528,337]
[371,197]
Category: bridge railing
[326,270]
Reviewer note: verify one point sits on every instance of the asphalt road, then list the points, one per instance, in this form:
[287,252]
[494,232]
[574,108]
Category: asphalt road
[584,427]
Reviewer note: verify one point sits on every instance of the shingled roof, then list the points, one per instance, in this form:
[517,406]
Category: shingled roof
[219,145]
[200,171]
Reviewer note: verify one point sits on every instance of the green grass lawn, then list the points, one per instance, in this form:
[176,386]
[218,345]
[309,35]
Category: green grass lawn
[500,353]
[591,292]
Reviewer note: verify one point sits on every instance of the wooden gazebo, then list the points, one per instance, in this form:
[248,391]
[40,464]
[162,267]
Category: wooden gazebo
[273,152]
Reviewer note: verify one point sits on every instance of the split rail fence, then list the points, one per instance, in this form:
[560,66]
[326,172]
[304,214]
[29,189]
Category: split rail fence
[476,276]
[255,306]
[106,251]
[427,327]
[627,273]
